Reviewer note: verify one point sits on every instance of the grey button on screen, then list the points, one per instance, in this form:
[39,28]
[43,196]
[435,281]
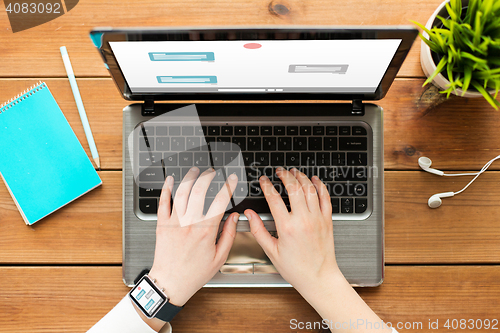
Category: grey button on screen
[332,69]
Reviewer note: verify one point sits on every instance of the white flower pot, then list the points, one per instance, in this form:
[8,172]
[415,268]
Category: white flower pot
[428,65]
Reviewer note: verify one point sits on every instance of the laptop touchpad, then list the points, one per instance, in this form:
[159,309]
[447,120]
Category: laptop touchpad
[247,257]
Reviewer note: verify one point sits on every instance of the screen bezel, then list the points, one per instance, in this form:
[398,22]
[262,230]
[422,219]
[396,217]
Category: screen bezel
[144,311]
[102,37]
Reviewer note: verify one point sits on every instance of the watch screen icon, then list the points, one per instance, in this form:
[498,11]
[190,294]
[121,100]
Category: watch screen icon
[139,296]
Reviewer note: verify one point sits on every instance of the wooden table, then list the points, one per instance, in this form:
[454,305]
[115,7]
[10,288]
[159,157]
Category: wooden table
[64,273]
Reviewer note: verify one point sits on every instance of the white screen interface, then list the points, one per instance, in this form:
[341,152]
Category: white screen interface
[147,297]
[264,66]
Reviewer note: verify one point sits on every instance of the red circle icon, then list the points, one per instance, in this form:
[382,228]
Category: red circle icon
[252,46]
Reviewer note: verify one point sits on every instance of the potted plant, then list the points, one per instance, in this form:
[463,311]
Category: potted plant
[460,50]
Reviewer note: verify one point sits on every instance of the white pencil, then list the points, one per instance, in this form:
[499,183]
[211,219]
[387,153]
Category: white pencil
[79,105]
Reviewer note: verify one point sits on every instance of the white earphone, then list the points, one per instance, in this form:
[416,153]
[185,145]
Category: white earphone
[435,200]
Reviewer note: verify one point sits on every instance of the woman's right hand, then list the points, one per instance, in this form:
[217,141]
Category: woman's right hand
[304,252]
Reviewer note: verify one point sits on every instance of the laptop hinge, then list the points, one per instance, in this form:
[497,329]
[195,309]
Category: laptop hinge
[358,108]
[148,108]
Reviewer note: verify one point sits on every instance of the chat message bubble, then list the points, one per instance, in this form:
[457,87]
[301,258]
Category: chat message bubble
[333,69]
[181,56]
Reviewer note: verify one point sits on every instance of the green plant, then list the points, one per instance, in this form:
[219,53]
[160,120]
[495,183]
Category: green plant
[469,46]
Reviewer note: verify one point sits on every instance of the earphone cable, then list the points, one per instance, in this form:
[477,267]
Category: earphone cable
[485,167]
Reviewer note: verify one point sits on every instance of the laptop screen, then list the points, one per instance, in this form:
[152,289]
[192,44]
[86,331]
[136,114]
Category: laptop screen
[266,63]
[255,66]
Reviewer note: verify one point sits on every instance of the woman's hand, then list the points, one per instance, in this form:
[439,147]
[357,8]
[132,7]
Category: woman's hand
[186,255]
[304,253]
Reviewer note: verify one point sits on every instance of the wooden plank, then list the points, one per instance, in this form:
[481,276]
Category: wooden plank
[71,29]
[72,299]
[86,231]
[459,134]
[464,230]
[58,299]
[103,105]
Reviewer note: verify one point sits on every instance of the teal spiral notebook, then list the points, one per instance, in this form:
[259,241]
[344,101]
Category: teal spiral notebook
[42,163]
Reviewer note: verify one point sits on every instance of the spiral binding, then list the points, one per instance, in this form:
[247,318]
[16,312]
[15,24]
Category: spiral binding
[16,100]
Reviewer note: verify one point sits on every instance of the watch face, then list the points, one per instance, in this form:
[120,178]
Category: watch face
[147,297]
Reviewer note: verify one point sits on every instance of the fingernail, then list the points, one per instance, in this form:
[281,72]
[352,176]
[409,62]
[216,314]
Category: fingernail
[315,177]
[236,218]
[264,177]
[249,216]
[294,169]
[232,176]
[170,180]
[279,169]
[193,169]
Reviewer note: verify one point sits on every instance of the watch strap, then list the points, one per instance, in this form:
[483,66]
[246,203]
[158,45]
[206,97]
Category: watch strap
[168,312]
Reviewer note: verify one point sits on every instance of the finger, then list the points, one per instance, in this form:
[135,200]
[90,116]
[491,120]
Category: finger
[295,193]
[164,208]
[182,193]
[198,192]
[268,243]
[219,205]
[324,197]
[274,200]
[308,189]
[226,238]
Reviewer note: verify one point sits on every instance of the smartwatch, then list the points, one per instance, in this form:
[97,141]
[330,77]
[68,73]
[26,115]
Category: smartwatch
[152,300]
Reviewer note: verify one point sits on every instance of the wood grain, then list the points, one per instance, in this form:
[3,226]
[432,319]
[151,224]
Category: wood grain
[72,299]
[457,134]
[464,230]
[86,231]
[71,29]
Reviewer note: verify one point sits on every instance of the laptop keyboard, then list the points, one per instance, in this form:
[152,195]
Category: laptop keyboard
[337,153]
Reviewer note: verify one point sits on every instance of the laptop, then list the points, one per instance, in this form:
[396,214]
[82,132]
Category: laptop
[245,101]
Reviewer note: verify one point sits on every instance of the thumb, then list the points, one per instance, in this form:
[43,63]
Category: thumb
[227,237]
[259,231]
